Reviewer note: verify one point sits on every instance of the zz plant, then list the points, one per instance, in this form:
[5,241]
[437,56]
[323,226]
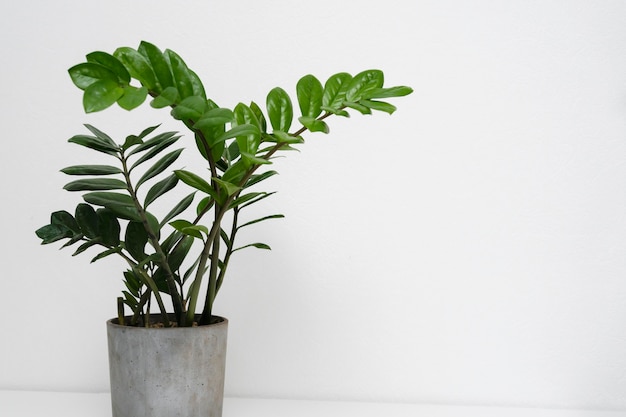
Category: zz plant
[237,144]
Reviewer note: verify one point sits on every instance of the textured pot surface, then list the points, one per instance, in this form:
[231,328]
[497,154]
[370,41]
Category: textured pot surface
[173,372]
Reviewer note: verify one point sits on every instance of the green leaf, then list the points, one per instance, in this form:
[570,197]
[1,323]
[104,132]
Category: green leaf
[335,90]
[399,91]
[226,186]
[52,233]
[214,117]
[85,74]
[274,216]
[121,204]
[94,143]
[363,82]
[111,63]
[378,105]
[178,255]
[135,240]
[245,198]
[191,108]
[313,124]
[91,170]
[178,208]
[248,137]
[310,91]
[189,228]
[182,78]
[250,159]
[283,137]
[168,97]
[338,112]
[245,115]
[198,88]
[105,254]
[101,135]
[154,150]
[133,97]
[86,246]
[100,95]
[279,109]
[152,142]
[195,181]
[359,107]
[159,64]
[65,219]
[205,204]
[87,220]
[109,227]
[254,245]
[93,184]
[132,140]
[255,179]
[259,115]
[138,67]
[160,166]
[261,196]
[160,188]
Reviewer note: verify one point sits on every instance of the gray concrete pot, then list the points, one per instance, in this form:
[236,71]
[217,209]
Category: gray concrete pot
[173,372]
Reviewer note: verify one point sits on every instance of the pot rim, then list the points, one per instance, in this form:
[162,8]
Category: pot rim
[113,322]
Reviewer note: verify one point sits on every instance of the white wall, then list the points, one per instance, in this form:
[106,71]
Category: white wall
[469,249]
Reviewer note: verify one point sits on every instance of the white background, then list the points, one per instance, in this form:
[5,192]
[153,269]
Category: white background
[469,249]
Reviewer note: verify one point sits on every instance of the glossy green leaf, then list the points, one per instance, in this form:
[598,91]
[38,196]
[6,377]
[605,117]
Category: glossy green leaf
[335,90]
[91,170]
[178,208]
[138,67]
[53,232]
[65,219]
[180,72]
[121,204]
[100,95]
[111,63]
[195,181]
[85,74]
[178,255]
[358,107]
[379,105]
[259,115]
[133,97]
[160,188]
[245,115]
[399,91]
[309,91]
[262,219]
[87,220]
[363,82]
[251,159]
[279,109]
[249,134]
[313,124]
[338,112]
[189,228]
[86,246]
[196,84]
[155,150]
[158,63]
[254,245]
[236,172]
[257,178]
[155,141]
[191,108]
[160,166]
[214,117]
[205,204]
[168,97]
[245,198]
[108,227]
[106,253]
[259,197]
[93,184]
[135,240]
[228,187]
[101,135]
[284,137]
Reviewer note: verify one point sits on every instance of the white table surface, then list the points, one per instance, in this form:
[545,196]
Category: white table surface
[53,404]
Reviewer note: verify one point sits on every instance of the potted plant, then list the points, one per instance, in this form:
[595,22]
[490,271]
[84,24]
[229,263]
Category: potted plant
[167,355]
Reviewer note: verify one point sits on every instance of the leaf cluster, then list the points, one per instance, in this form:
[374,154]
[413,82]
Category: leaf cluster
[237,144]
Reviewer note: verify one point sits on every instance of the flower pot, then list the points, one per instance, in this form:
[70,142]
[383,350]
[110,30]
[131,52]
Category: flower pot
[167,372]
